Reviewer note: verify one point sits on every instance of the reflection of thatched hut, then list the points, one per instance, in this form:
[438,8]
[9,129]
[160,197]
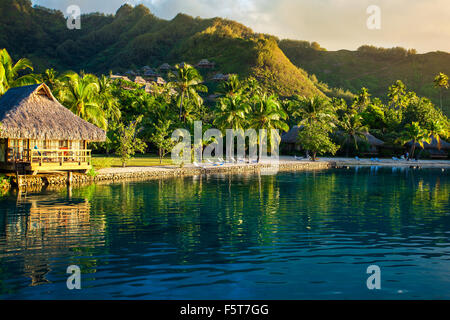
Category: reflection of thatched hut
[39,134]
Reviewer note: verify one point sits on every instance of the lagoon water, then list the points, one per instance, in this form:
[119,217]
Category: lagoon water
[304,235]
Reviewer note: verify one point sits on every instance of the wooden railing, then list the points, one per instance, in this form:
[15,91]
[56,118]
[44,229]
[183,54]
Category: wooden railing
[60,156]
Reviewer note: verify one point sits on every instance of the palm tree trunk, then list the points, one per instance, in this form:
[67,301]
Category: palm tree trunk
[413,148]
[181,103]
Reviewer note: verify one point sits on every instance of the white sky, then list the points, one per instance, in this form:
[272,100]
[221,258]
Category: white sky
[335,24]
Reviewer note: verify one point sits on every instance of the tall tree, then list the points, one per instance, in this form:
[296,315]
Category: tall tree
[232,113]
[9,72]
[266,113]
[188,82]
[81,94]
[441,82]
[415,134]
[315,109]
[352,130]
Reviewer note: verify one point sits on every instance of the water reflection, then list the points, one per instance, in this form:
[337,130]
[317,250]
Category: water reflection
[35,228]
[233,236]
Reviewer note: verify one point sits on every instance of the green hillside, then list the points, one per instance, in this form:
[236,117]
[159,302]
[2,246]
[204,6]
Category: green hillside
[373,68]
[134,37]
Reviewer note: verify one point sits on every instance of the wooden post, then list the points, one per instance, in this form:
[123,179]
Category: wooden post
[69,177]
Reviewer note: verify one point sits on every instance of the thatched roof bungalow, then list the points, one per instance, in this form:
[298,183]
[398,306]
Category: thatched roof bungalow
[205,63]
[40,134]
[165,67]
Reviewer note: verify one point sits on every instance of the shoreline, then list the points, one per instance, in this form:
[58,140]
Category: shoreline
[118,174]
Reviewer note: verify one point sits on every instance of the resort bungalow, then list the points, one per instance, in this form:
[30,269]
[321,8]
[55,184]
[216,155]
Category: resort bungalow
[165,67]
[432,148]
[206,64]
[38,134]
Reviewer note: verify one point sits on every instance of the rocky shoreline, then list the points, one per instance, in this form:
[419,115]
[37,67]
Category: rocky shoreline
[148,173]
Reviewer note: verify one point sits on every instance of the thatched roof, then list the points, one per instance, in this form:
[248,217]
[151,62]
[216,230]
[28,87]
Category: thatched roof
[433,145]
[291,135]
[139,80]
[31,112]
[165,66]
[373,141]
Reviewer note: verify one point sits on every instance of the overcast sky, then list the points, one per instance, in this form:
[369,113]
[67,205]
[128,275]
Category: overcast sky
[335,24]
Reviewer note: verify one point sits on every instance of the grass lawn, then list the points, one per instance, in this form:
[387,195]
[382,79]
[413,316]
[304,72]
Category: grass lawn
[147,160]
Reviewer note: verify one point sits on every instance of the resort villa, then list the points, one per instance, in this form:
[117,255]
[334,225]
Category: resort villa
[38,134]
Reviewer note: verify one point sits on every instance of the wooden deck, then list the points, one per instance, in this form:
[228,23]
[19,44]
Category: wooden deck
[42,160]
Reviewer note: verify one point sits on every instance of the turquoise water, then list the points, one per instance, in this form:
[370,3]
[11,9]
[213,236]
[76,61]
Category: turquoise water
[305,235]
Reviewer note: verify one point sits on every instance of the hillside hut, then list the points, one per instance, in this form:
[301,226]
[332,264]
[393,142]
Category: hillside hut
[38,134]
[140,80]
[206,64]
[165,67]
[116,76]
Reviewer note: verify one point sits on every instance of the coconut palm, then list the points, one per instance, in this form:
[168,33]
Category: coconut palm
[415,134]
[315,109]
[188,82]
[231,87]
[9,72]
[438,130]
[266,113]
[107,101]
[80,93]
[441,82]
[232,113]
[352,130]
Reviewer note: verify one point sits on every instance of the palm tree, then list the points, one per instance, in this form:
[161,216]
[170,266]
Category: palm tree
[315,109]
[438,130]
[352,130]
[441,82]
[415,134]
[232,113]
[50,78]
[266,113]
[107,101]
[231,87]
[81,95]
[9,72]
[187,81]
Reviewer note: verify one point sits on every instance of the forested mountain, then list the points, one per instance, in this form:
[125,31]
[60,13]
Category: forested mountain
[370,67]
[134,37]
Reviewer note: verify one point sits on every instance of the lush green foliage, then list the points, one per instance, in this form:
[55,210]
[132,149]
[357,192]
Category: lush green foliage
[129,143]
